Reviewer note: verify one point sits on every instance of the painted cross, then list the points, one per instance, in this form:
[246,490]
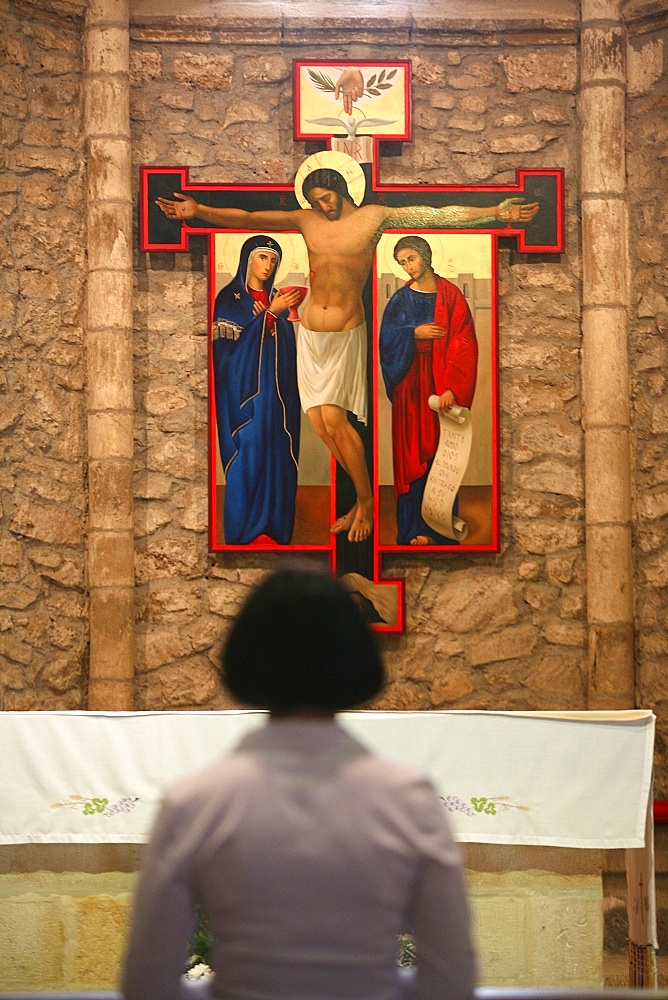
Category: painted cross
[370,308]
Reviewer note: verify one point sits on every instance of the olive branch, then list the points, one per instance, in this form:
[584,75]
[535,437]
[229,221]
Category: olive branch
[373,87]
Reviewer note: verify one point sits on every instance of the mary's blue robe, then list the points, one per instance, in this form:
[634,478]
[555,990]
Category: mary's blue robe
[257,409]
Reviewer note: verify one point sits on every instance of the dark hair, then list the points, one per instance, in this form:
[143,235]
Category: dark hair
[301,642]
[326,178]
[417,243]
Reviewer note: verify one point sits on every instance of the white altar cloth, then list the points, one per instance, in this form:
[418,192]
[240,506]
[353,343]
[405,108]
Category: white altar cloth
[575,779]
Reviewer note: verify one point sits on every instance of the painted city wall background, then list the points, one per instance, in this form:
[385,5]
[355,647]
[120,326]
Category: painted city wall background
[506,631]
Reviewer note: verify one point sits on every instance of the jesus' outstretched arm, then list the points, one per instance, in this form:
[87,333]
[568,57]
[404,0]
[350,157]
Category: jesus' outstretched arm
[460,216]
[185,207]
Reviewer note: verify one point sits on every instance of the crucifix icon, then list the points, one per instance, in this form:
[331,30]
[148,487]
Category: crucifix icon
[321,293]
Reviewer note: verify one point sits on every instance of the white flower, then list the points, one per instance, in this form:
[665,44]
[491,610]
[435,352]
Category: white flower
[200,971]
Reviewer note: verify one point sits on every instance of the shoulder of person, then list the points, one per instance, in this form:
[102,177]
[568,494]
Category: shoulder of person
[219,775]
[374,209]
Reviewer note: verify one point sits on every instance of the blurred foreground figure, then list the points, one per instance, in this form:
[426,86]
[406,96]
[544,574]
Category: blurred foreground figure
[308,853]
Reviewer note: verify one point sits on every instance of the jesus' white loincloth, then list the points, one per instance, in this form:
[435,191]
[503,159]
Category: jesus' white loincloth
[331,368]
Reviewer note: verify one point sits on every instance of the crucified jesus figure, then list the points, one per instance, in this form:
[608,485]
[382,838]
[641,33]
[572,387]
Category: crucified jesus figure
[340,239]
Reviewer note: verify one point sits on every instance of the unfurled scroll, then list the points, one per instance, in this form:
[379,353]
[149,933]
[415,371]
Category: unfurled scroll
[447,471]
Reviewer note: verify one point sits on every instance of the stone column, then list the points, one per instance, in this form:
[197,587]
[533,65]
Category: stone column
[109,356]
[605,377]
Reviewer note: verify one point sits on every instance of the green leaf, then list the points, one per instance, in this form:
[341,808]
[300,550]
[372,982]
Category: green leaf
[321,81]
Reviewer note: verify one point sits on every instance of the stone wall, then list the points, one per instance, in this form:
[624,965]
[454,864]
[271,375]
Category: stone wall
[647,140]
[483,631]
[537,916]
[43,629]
[502,631]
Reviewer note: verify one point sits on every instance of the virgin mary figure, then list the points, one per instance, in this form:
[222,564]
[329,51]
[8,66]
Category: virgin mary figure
[257,401]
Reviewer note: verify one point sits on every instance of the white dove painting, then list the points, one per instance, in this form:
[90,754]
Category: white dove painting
[352,100]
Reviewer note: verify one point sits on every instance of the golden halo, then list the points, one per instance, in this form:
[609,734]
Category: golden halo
[228,251]
[391,241]
[352,112]
[332,159]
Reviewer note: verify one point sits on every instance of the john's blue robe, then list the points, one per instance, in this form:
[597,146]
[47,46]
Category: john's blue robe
[413,370]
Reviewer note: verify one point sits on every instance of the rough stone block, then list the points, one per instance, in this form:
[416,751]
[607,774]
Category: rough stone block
[444,100]
[540,596]
[542,437]
[110,435]
[102,12]
[611,681]
[110,222]
[565,633]
[194,511]
[110,494]
[609,574]
[110,696]
[192,681]
[536,928]
[605,253]
[603,50]
[170,558]
[607,460]
[46,523]
[107,106]
[603,164]
[474,73]
[110,301]
[107,49]
[245,112]
[101,927]
[560,682]
[567,932]
[204,70]
[32,942]
[552,476]
[498,931]
[547,69]
[110,559]
[110,357]
[145,65]
[62,673]
[561,569]
[273,68]
[111,617]
[654,505]
[448,687]
[528,142]
[468,600]
[174,455]
[644,66]
[605,373]
[542,536]
[508,644]
[161,644]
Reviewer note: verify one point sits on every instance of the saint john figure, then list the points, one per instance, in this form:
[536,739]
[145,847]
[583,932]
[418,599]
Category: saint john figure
[428,347]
